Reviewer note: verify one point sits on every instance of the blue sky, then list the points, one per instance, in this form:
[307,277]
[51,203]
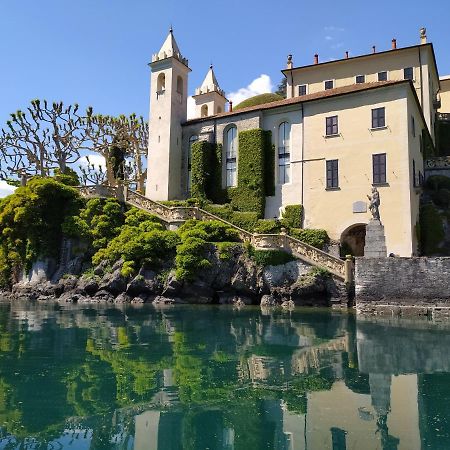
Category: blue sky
[95,52]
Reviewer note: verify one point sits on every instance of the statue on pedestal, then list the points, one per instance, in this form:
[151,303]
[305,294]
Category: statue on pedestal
[374,205]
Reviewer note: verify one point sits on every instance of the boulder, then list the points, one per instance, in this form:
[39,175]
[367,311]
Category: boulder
[285,274]
[172,286]
[146,282]
[114,283]
[100,269]
[123,298]
[103,296]
[268,300]
[88,286]
[162,300]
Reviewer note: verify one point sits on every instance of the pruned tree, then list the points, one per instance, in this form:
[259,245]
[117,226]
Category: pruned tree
[92,174]
[46,137]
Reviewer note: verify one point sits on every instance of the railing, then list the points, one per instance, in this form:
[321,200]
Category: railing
[170,215]
[444,116]
[443,162]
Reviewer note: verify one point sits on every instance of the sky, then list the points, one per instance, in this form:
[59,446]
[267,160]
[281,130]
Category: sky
[95,52]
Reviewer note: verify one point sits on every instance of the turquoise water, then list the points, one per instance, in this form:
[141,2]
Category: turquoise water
[216,378]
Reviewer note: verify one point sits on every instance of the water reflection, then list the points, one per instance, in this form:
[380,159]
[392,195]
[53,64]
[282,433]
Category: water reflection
[217,378]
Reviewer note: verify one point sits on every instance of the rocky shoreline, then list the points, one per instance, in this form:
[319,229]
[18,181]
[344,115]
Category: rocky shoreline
[232,280]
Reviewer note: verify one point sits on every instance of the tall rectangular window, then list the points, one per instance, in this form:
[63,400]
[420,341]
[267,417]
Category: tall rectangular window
[382,76]
[332,127]
[329,84]
[360,79]
[332,174]
[378,117]
[302,89]
[231,157]
[379,168]
[413,126]
[284,153]
[408,73]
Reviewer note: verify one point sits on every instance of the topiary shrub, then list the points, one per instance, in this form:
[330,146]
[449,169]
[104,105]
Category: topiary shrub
[211,231]
[267,226]
[431,230]
[259,100]
[441,198]
[245,220]
[437,182]
[315,238]
[190,258]
[265,258]
[292,216]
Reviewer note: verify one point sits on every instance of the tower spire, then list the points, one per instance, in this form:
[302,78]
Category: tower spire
[170,49]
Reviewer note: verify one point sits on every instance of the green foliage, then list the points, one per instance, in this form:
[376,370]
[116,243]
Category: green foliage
[432,230]
[226,249]
[269,165]
[69,177]
[31,222]
[249,195]
[267,226]
[258,100]
[211,231]
[320,272]
[215,191]
[265,258]
[441,198]
[293,216]
[436,182]
[190,258]
[200,168]
[315,238]
[245,220]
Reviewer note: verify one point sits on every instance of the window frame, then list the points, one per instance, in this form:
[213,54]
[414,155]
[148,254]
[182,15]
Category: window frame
[412,73]
[383,71]
[378,127]
[325,85]
[332,174]
[413,126]
[302,86]
[379,176]
[284,158]
[360,82]
[231,157]
[331,127]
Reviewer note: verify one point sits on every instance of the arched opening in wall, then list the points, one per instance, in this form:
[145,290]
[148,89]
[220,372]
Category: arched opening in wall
[180,85]
[353,240]
[219,110]
[204,111]
[161,83]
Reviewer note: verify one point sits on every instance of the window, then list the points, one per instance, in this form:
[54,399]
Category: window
[408,73]
[413,126]
[421,144]
[360,78]
[161,83]
[192,139]
[414,173]
[180,85]
[302,89]
[284,155]
[378,118]
[204,111]
[379,168]
[231,156]
[329,84]
[382,76]
[332,126]
[332,174]
[338,439]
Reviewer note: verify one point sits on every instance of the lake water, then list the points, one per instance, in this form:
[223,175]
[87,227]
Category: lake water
[217,378]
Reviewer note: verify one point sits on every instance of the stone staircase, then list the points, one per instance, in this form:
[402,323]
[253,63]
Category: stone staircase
[176,216]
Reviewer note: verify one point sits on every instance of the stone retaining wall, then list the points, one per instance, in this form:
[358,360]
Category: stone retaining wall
[402,285]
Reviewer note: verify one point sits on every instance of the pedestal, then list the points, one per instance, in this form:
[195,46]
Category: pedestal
[375,246]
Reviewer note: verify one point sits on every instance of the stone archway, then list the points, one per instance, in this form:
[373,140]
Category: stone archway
[353,240]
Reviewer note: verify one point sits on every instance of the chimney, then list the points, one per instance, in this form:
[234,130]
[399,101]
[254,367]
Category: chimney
[346,55]
[231,106]
[423,35]
[374,49]
[289,62]
[316,59]
[394,44]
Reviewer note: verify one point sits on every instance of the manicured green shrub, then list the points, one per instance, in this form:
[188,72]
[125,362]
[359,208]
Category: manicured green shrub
[190,258]
[441,198]
[210,231]
[200,168]
[437,182]
[292,216]
[69,177]
[245,220]
[269,165]
[223,211]
[315,238]
[267,226]
[226,249]
[259,100]
[431,229]
[265,258]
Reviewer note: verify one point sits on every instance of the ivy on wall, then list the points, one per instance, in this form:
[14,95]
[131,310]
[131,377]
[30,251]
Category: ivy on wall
[200,168]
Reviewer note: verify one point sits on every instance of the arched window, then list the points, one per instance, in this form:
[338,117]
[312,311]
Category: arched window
[180,85]
[231,144]
[204,111]
[284,153]
[192,139]
[161,84]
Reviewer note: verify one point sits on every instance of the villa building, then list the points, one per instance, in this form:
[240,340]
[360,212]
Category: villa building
[345,126]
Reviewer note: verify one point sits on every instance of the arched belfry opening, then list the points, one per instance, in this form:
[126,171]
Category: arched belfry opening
[180,85]
[353,240]
[161,83]
[204,111]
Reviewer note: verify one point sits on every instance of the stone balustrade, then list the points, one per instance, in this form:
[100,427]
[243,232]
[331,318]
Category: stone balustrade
[178,215]
[442,162]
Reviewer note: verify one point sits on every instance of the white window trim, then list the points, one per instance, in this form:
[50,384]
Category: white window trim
[383,71]
[277,168]
[361,75]
[324,84]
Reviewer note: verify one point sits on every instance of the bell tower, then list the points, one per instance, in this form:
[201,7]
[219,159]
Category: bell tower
[209,98]
[168,110]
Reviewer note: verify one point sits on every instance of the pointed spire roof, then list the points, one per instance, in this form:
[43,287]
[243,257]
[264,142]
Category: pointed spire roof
[210,84]
[169,49]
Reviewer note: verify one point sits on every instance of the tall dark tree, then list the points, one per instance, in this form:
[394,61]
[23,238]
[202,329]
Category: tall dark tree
[282,88]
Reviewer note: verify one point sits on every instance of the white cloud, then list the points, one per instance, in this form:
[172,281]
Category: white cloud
[6,189]
[260,85]
[94,158]
[190,108]
[332,28]
[329,38]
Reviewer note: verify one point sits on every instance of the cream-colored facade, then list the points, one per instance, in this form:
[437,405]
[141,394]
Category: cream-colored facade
[352,156]
[445,95]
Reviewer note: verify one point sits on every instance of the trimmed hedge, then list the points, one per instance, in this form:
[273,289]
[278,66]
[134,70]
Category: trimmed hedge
[315,238]
[265,258]
[200,168]
[293,216]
